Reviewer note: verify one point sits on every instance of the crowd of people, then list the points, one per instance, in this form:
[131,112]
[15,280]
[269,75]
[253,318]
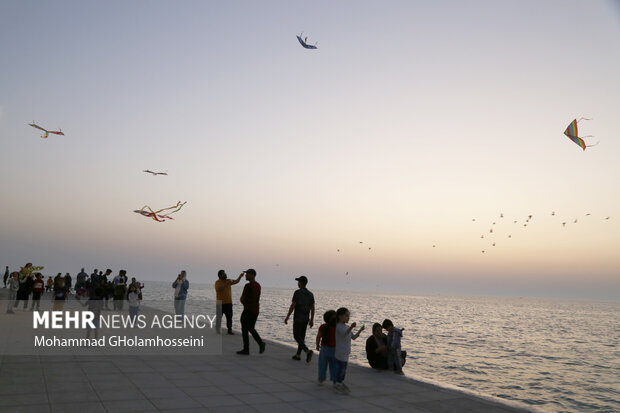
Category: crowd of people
[28,284]
[333,340]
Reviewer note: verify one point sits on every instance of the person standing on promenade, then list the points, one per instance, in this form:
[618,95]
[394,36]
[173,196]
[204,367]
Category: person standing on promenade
[139,286]
[101,280]
[49,284]
[37,290]
[25,288]
[134,303]
[326,346]
[95,305]
[57,278]
[60,295]
[6,275]
[223,295]
[13,287]
[80,280]
[180,285]
[26,280]
[120,289]
[250,299]
[303,305]
[344,335]
[68,281]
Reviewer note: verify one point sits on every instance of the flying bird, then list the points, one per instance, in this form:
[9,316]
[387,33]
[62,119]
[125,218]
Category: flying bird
[155,173]
[304,42]
[47,132]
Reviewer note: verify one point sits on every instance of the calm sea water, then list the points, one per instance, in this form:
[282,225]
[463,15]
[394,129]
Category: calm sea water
[560,356]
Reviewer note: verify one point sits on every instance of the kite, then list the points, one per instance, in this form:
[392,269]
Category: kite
[304,42]
[27,270]
[156,215]
[47,132]
[155,173]
[572,133]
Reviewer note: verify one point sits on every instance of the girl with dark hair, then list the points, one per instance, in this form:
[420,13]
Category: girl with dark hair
[326,345]
[344,335]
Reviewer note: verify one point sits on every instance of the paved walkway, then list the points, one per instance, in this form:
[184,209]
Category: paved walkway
[269,382]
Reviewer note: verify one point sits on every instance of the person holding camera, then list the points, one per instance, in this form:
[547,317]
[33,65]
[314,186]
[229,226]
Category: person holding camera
[180,285]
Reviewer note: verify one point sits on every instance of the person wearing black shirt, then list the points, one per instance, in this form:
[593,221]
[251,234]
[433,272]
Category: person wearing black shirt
[303,306]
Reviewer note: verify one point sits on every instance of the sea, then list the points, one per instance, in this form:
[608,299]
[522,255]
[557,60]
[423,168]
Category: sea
[554,355]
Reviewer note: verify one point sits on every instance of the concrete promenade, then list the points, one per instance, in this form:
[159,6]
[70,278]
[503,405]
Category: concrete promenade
[269,382]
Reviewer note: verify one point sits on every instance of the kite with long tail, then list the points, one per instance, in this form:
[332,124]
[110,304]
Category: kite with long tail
[47,132]
[157,215]
[573,134]
[304,42]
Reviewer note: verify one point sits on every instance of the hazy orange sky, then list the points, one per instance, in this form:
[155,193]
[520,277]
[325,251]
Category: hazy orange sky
[410,120]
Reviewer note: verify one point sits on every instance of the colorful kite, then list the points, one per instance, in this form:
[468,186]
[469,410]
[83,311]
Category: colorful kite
[156,215]
[155,173]
[572,133]
[28,269]
[47,132]
[304,42]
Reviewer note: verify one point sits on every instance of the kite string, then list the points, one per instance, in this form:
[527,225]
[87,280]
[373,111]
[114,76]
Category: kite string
[587,136]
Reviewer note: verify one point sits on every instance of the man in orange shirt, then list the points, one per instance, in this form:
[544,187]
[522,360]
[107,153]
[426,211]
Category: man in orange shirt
[223,295]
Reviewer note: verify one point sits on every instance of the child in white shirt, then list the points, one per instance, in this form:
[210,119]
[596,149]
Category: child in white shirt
[344,336]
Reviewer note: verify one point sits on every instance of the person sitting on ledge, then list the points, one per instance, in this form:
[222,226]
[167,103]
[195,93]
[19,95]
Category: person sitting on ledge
[376,348]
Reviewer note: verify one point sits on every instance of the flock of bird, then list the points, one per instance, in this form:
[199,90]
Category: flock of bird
[526,221]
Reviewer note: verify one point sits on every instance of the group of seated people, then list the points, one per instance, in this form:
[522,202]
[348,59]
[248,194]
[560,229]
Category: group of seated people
[383,351]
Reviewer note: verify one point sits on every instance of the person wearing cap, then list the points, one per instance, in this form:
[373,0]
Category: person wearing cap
[223,295]
[303,306]
[250,299]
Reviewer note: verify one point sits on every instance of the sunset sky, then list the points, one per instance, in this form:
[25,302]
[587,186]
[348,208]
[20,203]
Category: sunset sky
[409,121]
